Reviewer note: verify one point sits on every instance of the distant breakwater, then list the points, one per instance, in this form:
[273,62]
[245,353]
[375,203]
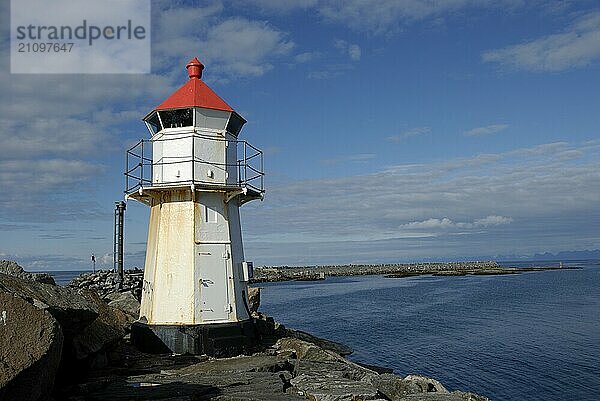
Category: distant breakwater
[285,273]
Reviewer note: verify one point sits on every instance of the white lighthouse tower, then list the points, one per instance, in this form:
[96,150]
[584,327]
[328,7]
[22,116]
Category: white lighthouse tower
[194,174]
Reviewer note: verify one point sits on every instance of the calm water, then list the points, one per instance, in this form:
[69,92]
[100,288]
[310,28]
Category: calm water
[64,277]
[533,336]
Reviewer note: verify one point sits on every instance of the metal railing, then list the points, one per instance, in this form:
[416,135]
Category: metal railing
[140,165]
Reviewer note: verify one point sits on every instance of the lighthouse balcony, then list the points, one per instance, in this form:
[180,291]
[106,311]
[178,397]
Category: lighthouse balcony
[201,161]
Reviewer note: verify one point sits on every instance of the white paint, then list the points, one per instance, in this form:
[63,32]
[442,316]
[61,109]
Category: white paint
[3,317]
[193,270]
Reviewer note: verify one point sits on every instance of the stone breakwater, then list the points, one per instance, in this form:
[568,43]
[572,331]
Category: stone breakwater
[66,343]
[284,273]
[105,282]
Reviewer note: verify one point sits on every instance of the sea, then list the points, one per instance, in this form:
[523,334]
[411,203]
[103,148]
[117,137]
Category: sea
[530,336]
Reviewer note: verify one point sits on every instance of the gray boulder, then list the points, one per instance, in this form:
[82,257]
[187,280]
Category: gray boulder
[30,350]
[73,311]
[125,302]
[393,387]
[88,324]
[253,298]
[418,388]
[13,269]
[107,329]
[426,384]
[338,348]
[320,374]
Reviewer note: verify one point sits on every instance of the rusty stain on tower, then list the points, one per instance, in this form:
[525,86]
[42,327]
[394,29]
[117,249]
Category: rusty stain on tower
[194,174]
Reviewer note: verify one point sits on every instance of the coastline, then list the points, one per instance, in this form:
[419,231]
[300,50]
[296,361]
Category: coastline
[314,273]
[87,355]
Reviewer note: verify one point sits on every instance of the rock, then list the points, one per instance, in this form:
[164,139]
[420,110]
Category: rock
[257,377]
[393,387]
[338,348]
[426,384]
[107,329]
[13,269]
[105,282]
[126,302]
[454,396]
[332,388]
[324,375]
[73,311]
[306,350]
[88,324]
[253,298]
[30,349]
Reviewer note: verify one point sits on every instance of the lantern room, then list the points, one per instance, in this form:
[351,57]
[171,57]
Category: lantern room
[194,140]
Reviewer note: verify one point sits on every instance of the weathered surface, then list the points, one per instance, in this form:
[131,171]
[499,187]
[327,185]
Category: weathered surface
[338,348]
[105,282]
[30,350]
[125,302]
[418,388]
[426,384]
[88,324]
[320,374]
[291,370]
[152,377]
[253,298]
[13,269]
[107,329]
[73,311]
[453,396]
[332,388]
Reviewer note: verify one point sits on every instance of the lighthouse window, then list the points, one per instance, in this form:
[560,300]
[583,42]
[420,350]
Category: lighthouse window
[235,124]
[177,118]
[154,123]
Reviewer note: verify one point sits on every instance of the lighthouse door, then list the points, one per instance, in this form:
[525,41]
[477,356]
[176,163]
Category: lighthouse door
[212,300]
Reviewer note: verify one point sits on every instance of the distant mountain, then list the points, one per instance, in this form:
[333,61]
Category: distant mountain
[593,254]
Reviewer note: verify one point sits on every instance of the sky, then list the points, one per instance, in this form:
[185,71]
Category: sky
[393,131]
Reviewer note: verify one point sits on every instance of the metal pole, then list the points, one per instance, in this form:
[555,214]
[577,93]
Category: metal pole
[118,258]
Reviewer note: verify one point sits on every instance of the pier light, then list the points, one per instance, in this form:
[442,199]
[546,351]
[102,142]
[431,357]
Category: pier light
[194,174]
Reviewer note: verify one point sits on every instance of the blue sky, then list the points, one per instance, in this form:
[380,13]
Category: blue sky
[393,131]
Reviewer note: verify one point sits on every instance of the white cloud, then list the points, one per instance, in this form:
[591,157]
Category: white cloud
[52,123]
[418,131]
[487,130]
[389,15]
[446,223]
[306,57]
[352,50]
[575,47]
[357,158]
[281,6]
[521,201]
[231,47]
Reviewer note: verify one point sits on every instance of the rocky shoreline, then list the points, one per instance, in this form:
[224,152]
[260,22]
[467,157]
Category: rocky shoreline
[71,343]
[310,273]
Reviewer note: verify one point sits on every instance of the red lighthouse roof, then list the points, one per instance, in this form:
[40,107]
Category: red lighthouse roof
[194,93]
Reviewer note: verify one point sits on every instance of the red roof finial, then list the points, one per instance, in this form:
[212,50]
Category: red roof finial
[195,68]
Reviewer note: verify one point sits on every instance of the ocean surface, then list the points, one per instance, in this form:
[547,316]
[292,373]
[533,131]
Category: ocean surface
[531,336]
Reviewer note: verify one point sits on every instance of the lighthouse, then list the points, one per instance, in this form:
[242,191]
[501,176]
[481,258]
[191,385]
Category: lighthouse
[194,174]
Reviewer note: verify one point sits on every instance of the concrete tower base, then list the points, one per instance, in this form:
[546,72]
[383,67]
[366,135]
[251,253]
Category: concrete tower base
[219,339]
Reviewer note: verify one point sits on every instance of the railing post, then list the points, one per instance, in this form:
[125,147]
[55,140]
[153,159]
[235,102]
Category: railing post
[245,165]
[142,166]
[126,170]
[262,171]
